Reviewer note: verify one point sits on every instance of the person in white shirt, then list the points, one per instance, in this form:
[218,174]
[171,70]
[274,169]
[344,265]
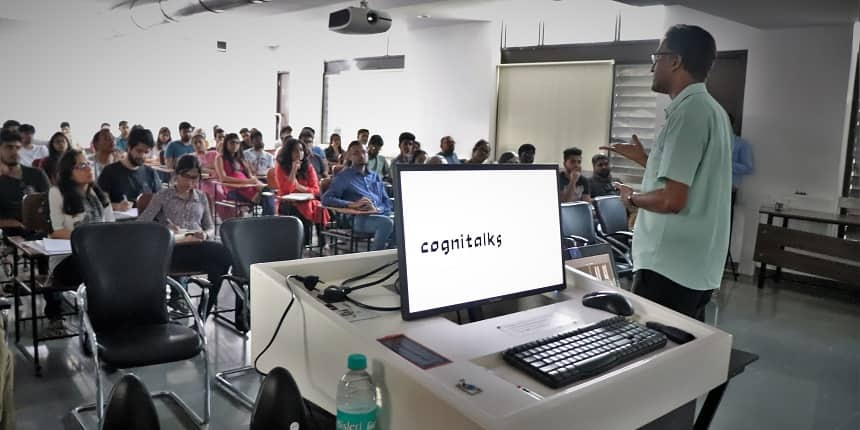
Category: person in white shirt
[259,160]
[30,152]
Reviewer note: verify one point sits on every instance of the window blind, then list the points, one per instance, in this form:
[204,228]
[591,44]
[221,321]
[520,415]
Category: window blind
[634,111]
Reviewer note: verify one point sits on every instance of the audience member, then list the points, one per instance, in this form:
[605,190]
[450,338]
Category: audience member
[572,186]
[447,146]
[601,182]
[74,201]
[66,128]
[480,152]
[419,157]
[218,136]
[309,131]
[125,180]
[104,151]
[16,181]
[233,171]
[30,152]
[363,136]
[246,139]
[318,162]
[416,146]
[180,147]
[742,161]
[259,160]
[360,189]
[334,151]
[526,152]
[161,143]
[406,141]
[122,139]
[509,158]
[376,162]
[11,125]
[286,133]
[205,156]
[57,146]
[294,175]
[437,159]
[105,126]
[184,209]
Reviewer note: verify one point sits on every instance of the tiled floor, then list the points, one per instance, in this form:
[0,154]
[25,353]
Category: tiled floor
[808,376]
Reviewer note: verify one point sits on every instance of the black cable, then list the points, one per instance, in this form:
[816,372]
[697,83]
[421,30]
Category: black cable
[371,307]
[278,327]
[370,284]
[372,272]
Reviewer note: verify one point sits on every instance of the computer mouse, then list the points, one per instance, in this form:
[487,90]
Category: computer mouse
[608,301]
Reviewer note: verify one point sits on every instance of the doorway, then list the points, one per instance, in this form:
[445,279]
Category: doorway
[726,84]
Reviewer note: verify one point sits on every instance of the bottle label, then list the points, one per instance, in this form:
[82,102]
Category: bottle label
[362,421]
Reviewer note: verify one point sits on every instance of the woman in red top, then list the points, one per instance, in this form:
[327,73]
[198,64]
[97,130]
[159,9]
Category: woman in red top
[294,175]
[236,176]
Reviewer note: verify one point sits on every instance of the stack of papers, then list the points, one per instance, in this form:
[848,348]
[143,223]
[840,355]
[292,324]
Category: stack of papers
[57,246]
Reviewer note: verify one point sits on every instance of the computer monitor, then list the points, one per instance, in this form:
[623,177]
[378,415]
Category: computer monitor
[596,260]
[474,234]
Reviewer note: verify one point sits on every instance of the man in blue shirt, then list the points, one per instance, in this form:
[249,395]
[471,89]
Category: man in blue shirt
[362,190]
[742,160]
[180,147]
[447,145]
[122,139]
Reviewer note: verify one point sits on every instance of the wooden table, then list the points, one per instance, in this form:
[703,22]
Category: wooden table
[32,251]
[772,241]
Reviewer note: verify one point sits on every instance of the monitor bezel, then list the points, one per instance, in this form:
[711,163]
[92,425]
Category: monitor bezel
[405,310]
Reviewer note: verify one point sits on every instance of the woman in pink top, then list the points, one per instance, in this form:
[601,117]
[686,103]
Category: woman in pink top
[235,174]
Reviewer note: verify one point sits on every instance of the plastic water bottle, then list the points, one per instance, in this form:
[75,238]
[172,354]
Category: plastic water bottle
[356,397]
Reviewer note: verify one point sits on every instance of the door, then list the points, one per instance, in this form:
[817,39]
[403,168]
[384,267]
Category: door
[726,83]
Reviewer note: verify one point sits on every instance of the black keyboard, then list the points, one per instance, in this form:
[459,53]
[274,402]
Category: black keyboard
[571,356]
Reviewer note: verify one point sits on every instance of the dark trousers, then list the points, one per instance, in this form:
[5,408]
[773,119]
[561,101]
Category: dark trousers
[660,289]
[290,210]
[66,274]
[208,257]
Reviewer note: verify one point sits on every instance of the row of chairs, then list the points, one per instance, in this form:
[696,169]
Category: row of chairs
[603,221]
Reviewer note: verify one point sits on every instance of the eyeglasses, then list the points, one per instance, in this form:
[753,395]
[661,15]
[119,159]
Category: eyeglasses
[83,166]
[657,55]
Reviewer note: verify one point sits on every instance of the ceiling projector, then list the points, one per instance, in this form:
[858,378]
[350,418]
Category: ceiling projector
[359,20]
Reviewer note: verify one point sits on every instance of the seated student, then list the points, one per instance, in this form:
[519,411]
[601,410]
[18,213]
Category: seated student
[526,152]
[360,189]
[480,152]
[180,147]
[104,151]
[572,186]
[407,148]
[294,175]
[334,151]
[74,201]
[509,158]
[600,183]
[436,160]
[161,143]
[185,209]
[447,145]
[57,146]
[30,151]
[419,157]
[376,162]
[259,160]
[232,169]
[125,180]
[318,162]
[16,181]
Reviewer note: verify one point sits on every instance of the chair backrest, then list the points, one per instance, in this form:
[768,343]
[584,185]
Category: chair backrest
[34,213]
[143,201]
[130,407]
[611,214]
[125,277]
[576,220]
[279,404]
[262,240]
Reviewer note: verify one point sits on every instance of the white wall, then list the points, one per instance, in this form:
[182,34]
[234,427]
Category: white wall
[795,107]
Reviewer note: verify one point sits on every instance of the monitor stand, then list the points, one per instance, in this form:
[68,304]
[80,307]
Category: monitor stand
[504,307]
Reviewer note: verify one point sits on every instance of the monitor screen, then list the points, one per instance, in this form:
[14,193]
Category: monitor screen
[473,234]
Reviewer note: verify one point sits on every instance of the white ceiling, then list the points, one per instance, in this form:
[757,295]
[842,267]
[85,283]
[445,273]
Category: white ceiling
[779,13]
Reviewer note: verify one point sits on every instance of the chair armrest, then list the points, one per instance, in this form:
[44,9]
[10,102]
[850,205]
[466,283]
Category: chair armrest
[581,241]
[238,284]
[625,234]
[176,287]
[235,279]
[86,324]
[615,243]
[618,249]
[202,283]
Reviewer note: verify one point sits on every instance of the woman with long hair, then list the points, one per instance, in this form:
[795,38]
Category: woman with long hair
[161,142]
[184,209]
[295,175]
[57,146]
[234,172]
[75,200]
[334,152]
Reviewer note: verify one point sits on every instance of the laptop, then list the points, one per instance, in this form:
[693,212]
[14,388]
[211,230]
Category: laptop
[596,260]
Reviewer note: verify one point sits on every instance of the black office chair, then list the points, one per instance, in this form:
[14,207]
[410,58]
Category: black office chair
[250,241]
[124,308]
[130,407]
[280,404]
[612,221]
[577,228]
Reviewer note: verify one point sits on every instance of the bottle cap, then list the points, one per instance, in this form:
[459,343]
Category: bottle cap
[357,362]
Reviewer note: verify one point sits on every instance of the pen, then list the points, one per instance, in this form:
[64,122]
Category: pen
[531,393]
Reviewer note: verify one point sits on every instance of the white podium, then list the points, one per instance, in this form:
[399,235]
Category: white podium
[315,341]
